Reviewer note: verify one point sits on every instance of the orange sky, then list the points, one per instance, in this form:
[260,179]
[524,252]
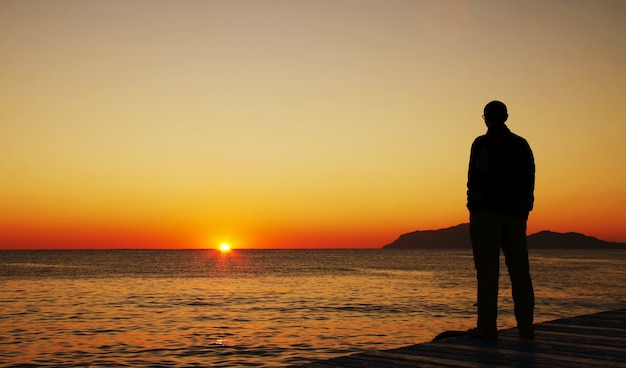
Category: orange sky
[285,124]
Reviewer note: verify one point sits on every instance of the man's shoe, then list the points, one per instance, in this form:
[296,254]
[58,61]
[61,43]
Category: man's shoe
[474,333]
[526,332]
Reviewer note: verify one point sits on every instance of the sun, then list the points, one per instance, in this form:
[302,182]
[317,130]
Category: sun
[225,247]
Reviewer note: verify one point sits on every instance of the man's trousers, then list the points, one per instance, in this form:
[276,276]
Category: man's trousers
[490,232]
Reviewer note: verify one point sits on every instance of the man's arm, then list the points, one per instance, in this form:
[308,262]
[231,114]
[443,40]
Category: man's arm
[477,174]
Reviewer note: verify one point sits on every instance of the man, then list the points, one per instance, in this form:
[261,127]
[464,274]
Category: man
[500,188]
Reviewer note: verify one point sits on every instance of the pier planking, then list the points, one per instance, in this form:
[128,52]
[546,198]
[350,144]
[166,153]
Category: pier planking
[593,340]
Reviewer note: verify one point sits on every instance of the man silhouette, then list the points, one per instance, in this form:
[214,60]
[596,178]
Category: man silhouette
[500,186]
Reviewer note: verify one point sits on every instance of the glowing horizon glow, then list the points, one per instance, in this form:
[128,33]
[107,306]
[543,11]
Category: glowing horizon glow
[298,124]
[225,247]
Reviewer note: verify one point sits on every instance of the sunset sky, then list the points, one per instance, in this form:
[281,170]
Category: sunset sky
[287,123]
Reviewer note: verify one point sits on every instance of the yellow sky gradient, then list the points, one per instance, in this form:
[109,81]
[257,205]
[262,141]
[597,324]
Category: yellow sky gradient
[272,124]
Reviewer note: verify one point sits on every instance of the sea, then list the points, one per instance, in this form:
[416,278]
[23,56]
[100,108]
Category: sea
[265,308]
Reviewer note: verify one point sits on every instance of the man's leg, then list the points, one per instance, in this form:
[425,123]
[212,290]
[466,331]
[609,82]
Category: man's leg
[516,254]
[486,237]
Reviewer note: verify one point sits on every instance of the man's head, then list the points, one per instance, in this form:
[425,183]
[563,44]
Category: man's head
[495,113]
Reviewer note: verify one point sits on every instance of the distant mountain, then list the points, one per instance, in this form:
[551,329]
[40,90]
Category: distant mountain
[448,238]
[549,239]
[458,237]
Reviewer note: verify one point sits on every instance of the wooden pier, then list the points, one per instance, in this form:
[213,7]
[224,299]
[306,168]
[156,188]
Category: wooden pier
[594,340]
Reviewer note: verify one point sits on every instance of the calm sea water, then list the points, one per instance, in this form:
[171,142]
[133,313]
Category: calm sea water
[263,308]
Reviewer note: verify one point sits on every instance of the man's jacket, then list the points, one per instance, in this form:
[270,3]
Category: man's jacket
[501,175]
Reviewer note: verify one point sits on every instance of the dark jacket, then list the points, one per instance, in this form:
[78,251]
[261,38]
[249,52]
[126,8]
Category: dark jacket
[501,175]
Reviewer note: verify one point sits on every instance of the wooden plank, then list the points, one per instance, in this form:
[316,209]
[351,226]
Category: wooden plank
[439,359]
[325,364]
[582,330]
[465,355]
[582,354]
[568,335]
[381,359]
[592,322]
[529,354]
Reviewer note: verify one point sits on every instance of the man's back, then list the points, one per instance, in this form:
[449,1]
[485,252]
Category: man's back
[501,174]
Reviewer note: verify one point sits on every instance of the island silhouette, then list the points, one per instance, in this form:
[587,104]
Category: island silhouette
[456,237]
